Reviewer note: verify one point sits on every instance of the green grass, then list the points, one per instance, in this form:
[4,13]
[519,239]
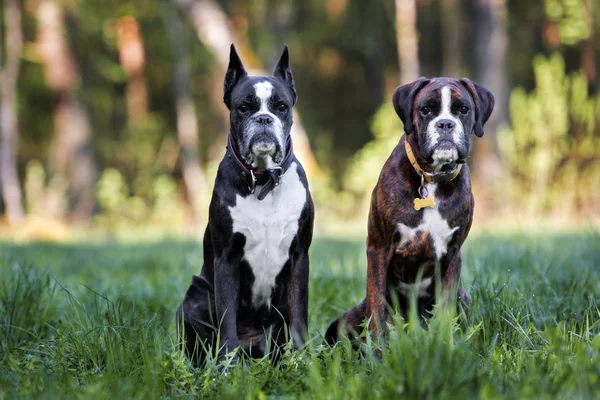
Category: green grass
[98,321]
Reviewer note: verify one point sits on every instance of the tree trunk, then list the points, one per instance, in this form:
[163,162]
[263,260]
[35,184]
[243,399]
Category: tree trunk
[214,30]
[588,56]
[187,121]
[133,60]
[451,23]
[9,128]
[491,50]
[408,46]
[71,158]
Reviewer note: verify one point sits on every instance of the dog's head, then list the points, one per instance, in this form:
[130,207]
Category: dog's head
[442,113]
[260,110]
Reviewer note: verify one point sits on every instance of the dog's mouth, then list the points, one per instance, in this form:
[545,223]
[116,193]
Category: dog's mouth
[264,151]
[448,167]
[444,158]
[445,155]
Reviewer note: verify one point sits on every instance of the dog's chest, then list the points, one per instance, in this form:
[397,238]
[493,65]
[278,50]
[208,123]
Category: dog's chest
[436,229]
[269,226]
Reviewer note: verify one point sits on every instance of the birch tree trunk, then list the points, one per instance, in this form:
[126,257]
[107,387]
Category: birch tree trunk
[71,158]
[187,120]
[408,45]
[9,128]
[214,30]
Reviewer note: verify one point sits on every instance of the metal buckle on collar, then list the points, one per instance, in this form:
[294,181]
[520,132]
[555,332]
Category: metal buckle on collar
[279,174]
[252,186]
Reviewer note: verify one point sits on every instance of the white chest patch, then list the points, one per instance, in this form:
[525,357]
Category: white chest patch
[269,226]
[433,223]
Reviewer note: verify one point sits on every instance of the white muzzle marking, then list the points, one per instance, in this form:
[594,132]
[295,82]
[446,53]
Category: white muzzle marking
[264,90]
[445,156]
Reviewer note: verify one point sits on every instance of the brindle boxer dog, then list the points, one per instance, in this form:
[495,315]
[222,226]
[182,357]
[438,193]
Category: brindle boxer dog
[422,206]
[253,288]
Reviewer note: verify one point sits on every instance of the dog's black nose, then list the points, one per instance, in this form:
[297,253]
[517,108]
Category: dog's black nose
[264,119]
[445,125]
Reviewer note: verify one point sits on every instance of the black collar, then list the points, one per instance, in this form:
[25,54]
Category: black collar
[268,178]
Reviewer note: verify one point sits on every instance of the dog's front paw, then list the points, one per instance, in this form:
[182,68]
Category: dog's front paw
[298,340]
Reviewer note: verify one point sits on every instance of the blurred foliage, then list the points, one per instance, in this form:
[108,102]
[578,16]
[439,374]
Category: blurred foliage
[552,149]
[43,197]
[344,57]
[122,209]
[572,18]
[366,164]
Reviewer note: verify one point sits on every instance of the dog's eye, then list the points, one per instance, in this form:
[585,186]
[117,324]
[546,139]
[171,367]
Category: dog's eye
[425,110]
[282,107]
[463,109]
[243,108]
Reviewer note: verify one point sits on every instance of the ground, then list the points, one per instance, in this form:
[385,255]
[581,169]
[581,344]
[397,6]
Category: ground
[97,320]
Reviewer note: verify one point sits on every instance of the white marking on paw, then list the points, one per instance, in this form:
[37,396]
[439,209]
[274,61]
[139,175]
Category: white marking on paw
[269,226]
[433,223]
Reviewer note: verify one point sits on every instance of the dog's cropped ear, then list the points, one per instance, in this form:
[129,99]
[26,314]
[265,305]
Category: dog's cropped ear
[283,71]
[403,100]
[235,72]
[484,104]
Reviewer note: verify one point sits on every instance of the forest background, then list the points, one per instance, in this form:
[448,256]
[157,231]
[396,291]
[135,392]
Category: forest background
[112,120]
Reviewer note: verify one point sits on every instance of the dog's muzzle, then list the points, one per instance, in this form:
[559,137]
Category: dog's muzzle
[445,153]
[262,148]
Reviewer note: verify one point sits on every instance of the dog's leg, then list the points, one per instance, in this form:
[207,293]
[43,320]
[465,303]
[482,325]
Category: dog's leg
[297,300]
[378,263]
[196,319]
[452,289]
[227,288]
[297,297]
[348,324]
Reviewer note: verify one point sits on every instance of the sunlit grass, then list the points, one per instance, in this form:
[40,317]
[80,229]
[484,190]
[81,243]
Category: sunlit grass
[98,321]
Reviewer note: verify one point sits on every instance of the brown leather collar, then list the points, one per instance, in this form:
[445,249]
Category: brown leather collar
[268,178]
[444,176]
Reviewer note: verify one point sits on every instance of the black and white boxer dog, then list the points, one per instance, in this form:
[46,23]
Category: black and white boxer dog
[252,292]
[422,206]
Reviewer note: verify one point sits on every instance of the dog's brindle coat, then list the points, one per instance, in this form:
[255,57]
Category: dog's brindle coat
[254,281]
[405,247]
